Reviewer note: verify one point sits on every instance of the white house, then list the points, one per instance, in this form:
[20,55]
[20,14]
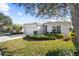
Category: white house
[49,26]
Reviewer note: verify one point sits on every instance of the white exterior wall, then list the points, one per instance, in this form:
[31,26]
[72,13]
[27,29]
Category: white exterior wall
[30,28]
[41,29]
[64,27]
[49,28]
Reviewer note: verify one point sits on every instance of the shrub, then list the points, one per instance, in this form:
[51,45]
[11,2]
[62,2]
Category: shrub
[67,38]
[59,36]
[16,29]
[46,33]
[27,36]
[36,37]
[44,38]
[35,32]
[52,38]
[73,35]
[40,37]
[61,52]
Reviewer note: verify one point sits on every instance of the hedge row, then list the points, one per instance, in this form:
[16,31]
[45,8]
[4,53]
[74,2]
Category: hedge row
[58,36]
[51,37]
[36,37]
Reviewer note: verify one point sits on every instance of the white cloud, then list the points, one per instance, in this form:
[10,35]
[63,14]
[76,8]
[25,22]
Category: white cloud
[19,13]
[4,7]
[7,13]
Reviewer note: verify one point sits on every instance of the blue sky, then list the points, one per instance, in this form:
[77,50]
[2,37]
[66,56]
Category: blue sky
[17,14]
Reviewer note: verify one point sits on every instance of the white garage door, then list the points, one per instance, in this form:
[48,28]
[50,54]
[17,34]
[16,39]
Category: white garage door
[29,30]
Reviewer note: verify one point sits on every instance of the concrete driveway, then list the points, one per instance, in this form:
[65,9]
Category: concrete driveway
[11,37]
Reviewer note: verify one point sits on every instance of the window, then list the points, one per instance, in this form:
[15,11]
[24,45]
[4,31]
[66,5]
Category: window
[56,29]
[59,29]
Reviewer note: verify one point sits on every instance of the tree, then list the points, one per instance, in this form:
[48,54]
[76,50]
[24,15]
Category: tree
[75,22]
[17,28]
[51,10]
[5,21]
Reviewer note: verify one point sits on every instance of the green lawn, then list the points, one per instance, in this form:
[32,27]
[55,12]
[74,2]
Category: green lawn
[34,48]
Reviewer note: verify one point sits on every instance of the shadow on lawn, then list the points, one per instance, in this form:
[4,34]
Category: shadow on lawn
[5,52]
[63,52]
[2,50]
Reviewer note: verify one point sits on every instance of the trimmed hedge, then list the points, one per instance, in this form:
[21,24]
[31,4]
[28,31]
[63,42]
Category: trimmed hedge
[58,36]
[36,37]
[45,37]
[52,38]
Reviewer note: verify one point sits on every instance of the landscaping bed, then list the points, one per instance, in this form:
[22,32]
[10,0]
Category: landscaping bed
[38,37]
[68,37]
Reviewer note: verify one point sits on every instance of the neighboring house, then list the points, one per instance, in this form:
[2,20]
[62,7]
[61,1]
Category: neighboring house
[49,26]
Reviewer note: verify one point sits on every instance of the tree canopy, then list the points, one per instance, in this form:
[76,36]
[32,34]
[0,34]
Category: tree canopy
[46,10]
[5,20]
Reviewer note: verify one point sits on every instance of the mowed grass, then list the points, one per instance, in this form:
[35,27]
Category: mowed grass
[22,47]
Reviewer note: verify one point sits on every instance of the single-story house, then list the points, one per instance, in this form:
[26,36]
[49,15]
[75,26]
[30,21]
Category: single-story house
[49,26]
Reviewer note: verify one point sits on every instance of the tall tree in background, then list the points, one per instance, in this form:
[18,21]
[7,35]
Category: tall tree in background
[5,21]
[60,11]
[17,28]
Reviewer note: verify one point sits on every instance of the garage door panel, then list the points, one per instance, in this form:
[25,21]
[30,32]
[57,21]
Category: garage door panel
[29,30]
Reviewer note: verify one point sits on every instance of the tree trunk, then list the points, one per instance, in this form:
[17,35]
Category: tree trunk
[75,23]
